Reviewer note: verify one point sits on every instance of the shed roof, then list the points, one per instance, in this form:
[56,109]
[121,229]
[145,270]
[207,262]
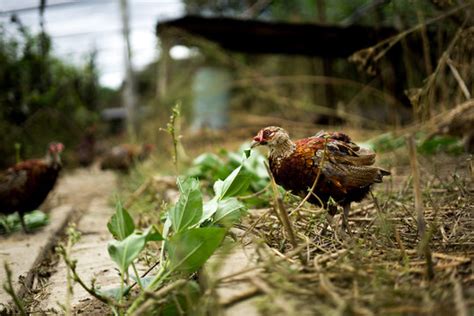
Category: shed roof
[255,36]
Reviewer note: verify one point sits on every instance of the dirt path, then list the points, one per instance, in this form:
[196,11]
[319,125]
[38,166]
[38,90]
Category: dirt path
[81,197]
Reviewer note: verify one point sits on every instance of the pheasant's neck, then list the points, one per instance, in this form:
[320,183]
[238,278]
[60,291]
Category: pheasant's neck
[282,149]
[53,162]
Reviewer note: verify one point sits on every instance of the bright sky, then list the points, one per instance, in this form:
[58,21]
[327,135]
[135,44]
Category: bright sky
[79,26]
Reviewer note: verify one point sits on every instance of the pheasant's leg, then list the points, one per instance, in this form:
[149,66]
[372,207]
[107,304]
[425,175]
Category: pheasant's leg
[332,210]
[23,225]
[345,218]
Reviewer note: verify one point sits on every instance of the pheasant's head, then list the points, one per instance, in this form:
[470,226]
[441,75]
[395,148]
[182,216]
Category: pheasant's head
[145,151]
[54,152]
[272,136]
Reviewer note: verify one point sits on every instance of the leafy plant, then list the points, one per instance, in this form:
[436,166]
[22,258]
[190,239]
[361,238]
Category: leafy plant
[252,174]
[439,143]
[33,220]
[191,233]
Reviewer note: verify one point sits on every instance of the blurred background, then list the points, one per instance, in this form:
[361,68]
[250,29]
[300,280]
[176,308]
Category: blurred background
[110,71]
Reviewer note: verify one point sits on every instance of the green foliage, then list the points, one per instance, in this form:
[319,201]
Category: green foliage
[188,210]
[447,144]
[191,233]
[190,249]
[124,252]
[33,220]
[439,143]
[229,211]
[236,183]
[252,175]
[121,223]
[41,97]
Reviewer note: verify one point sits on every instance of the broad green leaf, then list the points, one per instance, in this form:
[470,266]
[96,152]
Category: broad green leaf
[209,208]
[123,252]
[121,223]
[146,281]
[152,234]
[188,209]
[229,211]
[218,186]
[190,249]
[187,184]
[233,185]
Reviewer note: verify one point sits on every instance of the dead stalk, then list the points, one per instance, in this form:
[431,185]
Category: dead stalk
[416,186]
[138,192]
[459,302]
[281,212]
[242,296]
[8,287]
[156,296]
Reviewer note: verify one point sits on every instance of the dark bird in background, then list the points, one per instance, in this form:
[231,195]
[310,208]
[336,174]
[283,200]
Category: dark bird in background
[122,157]
[86,149]
[346,171]
[24,186]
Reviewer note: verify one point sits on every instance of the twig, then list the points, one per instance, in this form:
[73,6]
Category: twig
[400,245]
[328,288]
[8,287]
[65,252]
[158,295]
[265,288]
[458,78]
[242,296]
[246,197]
[281,211]
[171,130]
[416,186]
[459,302]
[138,192]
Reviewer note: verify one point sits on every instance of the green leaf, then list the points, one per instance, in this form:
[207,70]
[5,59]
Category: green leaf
[115,292]
[184,302]
[190,249]
[33,220]
[235,184]
[209,208]
[229,211]
[187,184]
[247,152]
[188,209]
[121,223]
[123,252]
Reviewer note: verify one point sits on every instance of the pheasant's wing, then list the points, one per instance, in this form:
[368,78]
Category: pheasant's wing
[12,180]
[346,165]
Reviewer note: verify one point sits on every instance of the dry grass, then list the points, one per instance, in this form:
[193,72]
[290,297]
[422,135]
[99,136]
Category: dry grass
[380,269]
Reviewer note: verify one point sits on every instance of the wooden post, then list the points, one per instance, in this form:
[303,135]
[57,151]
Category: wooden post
[163,67]
[129,99]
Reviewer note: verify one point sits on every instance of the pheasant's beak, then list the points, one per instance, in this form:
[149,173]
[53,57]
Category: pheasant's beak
[257,140]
